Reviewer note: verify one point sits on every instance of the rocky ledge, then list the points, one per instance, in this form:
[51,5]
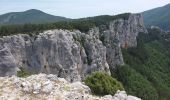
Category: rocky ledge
[50,87]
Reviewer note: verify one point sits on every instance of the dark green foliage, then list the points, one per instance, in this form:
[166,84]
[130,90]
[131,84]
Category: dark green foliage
[158,67]
[151,60]
[81,24]
[23,73]
[135,84]
[165,39]
[30,16]
[158,17]
[139,51]
[104,19]
[153,34]
[103,84]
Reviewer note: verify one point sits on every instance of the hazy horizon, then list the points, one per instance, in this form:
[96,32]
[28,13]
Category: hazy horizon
[81,8]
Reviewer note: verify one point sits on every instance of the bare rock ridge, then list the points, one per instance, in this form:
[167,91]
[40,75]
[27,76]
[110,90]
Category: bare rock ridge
[70,54]
[50,87]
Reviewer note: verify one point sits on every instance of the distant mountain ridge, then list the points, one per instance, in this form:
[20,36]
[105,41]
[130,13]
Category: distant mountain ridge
[32,16]
[158,17]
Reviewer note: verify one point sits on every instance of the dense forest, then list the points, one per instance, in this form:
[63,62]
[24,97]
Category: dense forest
[83,24]
[146,73]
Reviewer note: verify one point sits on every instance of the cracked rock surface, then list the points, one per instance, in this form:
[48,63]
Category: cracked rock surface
[50,87]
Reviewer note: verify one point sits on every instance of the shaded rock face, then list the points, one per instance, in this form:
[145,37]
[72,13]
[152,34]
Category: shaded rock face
[7,62]
[69,54]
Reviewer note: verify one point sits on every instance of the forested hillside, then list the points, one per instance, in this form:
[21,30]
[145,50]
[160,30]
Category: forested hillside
[146,73]
[158,17]
[83,25]
[32,16]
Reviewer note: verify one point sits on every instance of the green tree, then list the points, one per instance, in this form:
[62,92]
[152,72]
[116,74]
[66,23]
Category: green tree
[135,83]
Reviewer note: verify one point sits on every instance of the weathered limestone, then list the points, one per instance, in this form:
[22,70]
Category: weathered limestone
[50,87]
[127,30]
[70,54]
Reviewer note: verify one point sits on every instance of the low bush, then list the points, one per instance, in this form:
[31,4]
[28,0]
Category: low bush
[103,84]
[23,73]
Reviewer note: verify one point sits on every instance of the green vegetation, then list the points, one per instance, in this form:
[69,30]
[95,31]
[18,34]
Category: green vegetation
[158,17]
[146,74]
[135,84]
[23,73]
[30,16]
[83,25]
[103,84]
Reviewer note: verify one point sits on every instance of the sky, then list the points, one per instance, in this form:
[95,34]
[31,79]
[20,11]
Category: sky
[81,8]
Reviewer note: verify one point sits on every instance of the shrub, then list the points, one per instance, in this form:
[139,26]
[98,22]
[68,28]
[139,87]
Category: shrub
[103,84]
[23,73]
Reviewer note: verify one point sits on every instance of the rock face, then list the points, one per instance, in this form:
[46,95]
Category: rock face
[70,54]
[127,30]
[50,87]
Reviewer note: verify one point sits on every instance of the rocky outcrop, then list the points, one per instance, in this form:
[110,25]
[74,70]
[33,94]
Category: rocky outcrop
[50,87]
[70,54]
[127,30]
[121,34]
[67,54]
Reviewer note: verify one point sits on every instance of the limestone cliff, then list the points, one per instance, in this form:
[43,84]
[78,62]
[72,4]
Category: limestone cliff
[70,54]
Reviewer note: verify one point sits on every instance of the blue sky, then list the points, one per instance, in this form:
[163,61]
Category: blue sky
[81,8]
